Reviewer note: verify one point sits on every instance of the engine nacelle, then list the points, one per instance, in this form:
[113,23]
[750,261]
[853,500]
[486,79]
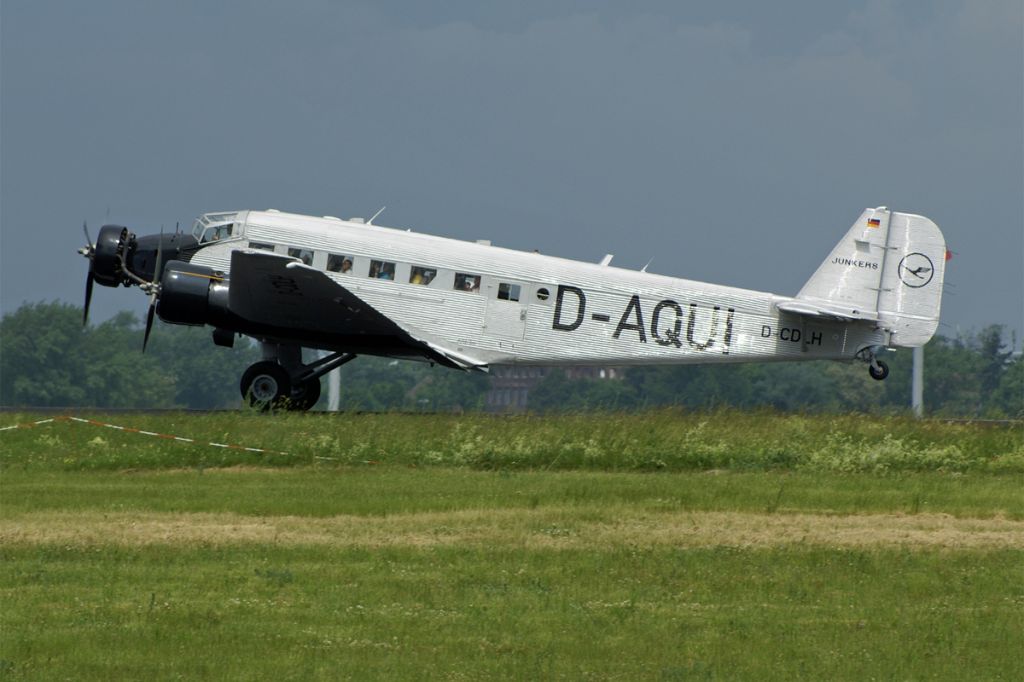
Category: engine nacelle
[109,254]
[192,295]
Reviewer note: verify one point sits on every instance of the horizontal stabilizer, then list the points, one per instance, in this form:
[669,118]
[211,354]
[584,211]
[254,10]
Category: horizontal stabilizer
[804,308]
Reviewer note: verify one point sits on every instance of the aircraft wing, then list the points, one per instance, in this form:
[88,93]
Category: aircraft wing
[272,290]
[799,307]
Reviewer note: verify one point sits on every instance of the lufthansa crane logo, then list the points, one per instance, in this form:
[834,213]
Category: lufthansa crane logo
[916,270]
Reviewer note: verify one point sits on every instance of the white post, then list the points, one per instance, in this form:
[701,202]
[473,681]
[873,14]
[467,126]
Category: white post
[917,383]
[334,390]
[333,385]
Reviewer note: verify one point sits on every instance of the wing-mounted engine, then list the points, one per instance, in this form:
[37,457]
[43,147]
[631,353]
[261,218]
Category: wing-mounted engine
[193,295]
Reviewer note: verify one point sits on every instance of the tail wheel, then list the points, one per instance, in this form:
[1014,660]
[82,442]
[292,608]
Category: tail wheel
[265,386]
[305,396]
[878,370]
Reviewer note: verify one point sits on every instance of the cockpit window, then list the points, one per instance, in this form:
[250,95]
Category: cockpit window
[213,227]
[217,232]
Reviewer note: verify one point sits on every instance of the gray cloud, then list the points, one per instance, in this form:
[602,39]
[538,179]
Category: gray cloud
[735,145]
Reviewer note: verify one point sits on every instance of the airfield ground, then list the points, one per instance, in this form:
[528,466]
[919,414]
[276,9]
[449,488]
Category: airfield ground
[661,545]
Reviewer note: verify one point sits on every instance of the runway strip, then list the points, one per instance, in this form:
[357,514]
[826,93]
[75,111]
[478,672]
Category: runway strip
[570,528]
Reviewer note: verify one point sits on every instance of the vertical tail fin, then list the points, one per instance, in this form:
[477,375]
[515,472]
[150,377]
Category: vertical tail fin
[890,267]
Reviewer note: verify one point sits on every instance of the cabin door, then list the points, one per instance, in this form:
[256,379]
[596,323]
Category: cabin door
[506,311]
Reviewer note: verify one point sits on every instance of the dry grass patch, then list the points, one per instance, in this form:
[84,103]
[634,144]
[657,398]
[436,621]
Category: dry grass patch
[571,527]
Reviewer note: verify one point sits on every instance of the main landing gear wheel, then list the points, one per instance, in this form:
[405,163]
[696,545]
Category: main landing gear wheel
[878,370]
[305,396]
[265,386]
[285,383]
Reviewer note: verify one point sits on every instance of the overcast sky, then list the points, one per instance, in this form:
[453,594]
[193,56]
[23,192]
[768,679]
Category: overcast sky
[734,143]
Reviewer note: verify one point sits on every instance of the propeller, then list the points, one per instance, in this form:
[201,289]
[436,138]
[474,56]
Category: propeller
[87,251]
[149,321]
[88,298]
[153,290]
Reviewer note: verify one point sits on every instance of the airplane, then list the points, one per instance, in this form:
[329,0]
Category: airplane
[349,287]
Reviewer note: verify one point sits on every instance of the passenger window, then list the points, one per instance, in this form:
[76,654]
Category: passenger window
[422,276]
[382,270]
[260,246]
[338,263]
[464,282]
[305,255]
[508,292]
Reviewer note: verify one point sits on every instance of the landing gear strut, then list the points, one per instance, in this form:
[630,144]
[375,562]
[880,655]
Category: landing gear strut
[283,382]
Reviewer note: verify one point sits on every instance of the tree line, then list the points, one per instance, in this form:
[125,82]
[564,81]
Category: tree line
[48,359]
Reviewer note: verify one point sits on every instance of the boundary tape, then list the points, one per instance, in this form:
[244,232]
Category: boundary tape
[128,429]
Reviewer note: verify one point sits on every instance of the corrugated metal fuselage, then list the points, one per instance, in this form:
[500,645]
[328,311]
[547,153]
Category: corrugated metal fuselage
[568,312]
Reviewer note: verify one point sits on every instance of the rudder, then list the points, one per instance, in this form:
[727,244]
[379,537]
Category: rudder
[912,279]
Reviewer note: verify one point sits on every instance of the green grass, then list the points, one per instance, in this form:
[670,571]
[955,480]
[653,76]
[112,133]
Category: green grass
[662,546]
[263,612]
[664,440]
[384,489]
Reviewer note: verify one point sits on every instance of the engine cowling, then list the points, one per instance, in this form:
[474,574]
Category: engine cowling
[106,267]
[192,295]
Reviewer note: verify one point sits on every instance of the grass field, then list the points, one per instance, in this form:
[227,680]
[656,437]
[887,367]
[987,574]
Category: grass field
[665,546]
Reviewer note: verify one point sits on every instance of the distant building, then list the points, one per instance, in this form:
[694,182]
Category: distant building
[511,384]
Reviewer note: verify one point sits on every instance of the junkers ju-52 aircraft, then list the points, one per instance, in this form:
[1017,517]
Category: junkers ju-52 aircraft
[349,287]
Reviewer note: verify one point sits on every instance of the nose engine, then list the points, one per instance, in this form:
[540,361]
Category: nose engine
[108,257]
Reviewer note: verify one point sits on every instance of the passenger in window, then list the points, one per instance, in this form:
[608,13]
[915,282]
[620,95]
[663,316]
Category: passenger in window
[336,263]
[421,276]
[465,282]
[382,270]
